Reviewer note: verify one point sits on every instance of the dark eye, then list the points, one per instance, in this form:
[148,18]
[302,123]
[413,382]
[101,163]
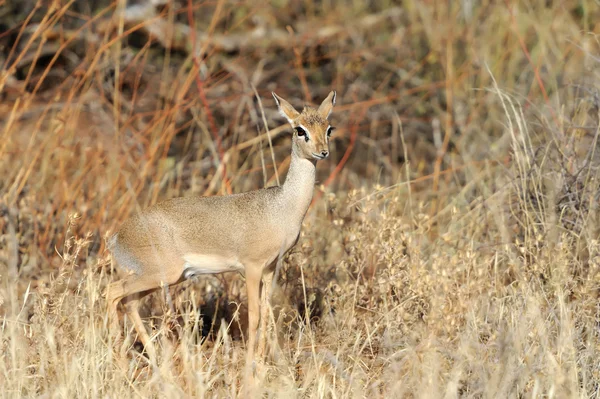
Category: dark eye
[301,132]
[329,130]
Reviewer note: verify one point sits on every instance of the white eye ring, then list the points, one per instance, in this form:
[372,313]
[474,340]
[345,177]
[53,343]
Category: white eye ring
[302,132]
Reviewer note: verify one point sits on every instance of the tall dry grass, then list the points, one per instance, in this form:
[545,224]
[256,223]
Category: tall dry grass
[452,247]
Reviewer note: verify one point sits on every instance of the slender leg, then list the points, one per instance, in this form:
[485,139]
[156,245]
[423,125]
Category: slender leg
[114,294]
[113,297]
[132,305]
[264,313]
[253,277]
[127,288]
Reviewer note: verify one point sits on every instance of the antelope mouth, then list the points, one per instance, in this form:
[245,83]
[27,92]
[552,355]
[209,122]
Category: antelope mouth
[318,156]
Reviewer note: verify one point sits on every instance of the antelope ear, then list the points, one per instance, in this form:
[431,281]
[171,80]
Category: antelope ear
[327,105]
[285,109]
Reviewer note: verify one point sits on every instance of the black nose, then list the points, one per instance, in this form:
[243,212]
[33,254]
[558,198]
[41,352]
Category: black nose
[324,153]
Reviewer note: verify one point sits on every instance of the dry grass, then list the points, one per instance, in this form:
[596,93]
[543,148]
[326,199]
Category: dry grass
[452,249]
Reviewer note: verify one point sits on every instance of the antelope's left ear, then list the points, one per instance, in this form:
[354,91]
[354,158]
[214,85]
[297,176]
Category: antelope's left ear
[327,105]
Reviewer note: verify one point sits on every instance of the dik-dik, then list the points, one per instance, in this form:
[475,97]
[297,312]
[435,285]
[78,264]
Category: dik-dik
[184,237]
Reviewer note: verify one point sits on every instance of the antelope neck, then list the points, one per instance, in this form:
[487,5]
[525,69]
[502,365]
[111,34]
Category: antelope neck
[298,187]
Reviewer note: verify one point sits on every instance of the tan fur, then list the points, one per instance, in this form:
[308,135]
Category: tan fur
[246,232]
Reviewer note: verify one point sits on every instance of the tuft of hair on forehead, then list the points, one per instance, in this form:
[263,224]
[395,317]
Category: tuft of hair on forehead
[312,117]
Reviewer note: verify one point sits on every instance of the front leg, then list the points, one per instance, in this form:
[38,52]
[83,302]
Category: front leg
[264,312]
[253,279]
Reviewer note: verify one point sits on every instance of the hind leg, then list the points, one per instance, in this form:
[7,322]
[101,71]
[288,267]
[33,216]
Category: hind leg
[131,289]
[132,305]
[114,295]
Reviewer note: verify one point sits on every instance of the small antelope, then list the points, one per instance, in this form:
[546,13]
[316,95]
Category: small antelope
[184,237]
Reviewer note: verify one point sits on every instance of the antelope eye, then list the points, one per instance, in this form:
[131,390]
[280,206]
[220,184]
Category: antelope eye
[301,132]
[329,130]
